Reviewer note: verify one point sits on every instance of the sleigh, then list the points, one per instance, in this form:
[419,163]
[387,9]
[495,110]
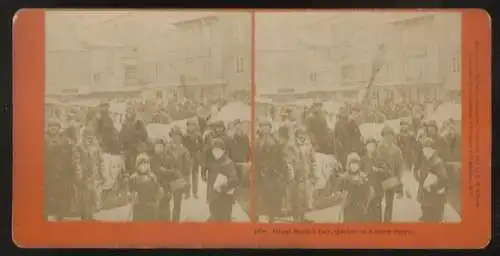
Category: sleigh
[325,193]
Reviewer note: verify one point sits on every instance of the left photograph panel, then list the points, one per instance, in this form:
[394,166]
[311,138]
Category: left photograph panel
[147,116]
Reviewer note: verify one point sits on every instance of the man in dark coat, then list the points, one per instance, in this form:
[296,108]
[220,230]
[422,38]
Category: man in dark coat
[375,177]
[317,127]
[348,136]
[222,181]
[133,138]
[433,183]
[192,140]
[239,148]
[59,172]
[390,160]
[442,147]
[202,119]
[417,119]
[270,169]
[179,160]
[407,142]
[106,131]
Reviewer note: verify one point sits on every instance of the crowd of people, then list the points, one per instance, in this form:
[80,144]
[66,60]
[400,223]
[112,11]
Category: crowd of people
[371,169]
[156,175]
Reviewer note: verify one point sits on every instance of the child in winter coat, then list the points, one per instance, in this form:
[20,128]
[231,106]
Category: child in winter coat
[146,190]
[222,182]
[358,190]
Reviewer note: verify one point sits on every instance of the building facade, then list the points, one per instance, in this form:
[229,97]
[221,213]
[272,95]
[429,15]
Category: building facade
[418,54]
[277,59]
[214,54]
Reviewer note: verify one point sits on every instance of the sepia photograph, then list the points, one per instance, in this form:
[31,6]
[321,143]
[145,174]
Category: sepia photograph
[358,117]
[147,115]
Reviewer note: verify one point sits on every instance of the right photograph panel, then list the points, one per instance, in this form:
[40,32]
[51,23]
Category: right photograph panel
[358,117]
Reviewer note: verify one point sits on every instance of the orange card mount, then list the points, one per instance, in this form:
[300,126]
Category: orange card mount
[473,230]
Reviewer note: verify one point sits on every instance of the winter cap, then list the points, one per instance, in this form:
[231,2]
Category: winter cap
[218,143]
[353,157]
[343,112]
[265,121]
[159,141]
[404,121]
[53,123]
[176,130]
[104,105]
[371,140]
[317,102]
[387,130]
[428,143]
[431,123]
[191,122]
[141,158]
[301,129]
[284,131]
[87,131]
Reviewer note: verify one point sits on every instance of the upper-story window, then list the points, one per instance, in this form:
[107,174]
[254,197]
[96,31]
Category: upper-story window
[240,64]
[348,72]
[313,77]
[456,63]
